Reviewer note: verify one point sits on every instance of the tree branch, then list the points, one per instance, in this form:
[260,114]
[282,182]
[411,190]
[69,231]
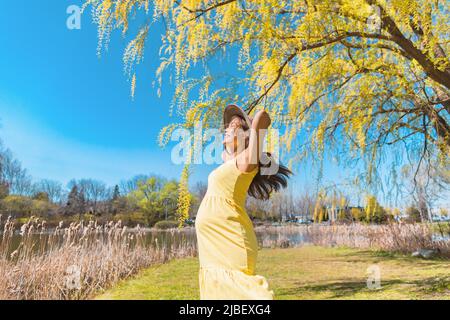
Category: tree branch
[429,67]
[253,104]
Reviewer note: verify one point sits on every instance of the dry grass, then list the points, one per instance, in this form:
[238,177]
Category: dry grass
[74,262]
[394,237]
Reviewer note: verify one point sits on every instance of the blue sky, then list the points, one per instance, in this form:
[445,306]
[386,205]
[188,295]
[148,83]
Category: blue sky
[66,113]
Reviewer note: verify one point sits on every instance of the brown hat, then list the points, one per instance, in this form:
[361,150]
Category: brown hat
[233,110]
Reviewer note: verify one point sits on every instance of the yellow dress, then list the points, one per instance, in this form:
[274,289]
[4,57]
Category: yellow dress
[227,244]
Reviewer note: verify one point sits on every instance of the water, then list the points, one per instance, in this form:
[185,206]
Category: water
[267,237]
[186,236]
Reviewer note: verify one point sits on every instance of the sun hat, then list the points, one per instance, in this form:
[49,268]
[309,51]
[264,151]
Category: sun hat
[233,110]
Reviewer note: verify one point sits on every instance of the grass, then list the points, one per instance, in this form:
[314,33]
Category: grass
[308,272]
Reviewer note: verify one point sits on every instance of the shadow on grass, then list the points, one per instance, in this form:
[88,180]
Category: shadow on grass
[380,255]
[340,289]
[348,289]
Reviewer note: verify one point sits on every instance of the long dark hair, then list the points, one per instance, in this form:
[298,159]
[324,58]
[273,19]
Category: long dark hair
[262,186]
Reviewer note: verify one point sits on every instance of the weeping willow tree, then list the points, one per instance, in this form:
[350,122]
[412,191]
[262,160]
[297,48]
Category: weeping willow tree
[355,78]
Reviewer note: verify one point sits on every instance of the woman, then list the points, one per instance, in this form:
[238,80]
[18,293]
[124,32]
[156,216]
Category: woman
[227,244]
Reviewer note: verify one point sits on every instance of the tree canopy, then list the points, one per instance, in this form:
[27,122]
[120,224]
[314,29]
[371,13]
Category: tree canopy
[351,77]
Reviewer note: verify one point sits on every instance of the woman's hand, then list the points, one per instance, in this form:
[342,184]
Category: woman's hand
[261,120]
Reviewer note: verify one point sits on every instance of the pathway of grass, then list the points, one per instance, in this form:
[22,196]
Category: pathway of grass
[305,273]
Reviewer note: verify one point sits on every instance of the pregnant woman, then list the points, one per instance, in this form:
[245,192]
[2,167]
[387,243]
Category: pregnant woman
[227,244]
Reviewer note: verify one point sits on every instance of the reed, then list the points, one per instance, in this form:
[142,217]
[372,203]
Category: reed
[77,261]
[394,237]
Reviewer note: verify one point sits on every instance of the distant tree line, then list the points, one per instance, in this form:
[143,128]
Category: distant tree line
[143,199]
[310,206]
[152,199]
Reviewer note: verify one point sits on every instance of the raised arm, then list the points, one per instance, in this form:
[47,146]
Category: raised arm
[252,154]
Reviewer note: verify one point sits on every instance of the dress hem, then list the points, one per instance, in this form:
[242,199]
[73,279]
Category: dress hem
[218,283]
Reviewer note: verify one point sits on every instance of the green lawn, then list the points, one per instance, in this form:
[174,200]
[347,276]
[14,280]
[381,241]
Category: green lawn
[305,273]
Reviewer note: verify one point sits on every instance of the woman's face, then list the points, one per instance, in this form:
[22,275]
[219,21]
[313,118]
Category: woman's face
[231,132]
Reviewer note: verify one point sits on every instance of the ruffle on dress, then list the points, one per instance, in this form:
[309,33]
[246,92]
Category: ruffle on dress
[226,284]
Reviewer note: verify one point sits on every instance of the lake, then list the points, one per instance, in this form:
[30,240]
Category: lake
[270,236]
